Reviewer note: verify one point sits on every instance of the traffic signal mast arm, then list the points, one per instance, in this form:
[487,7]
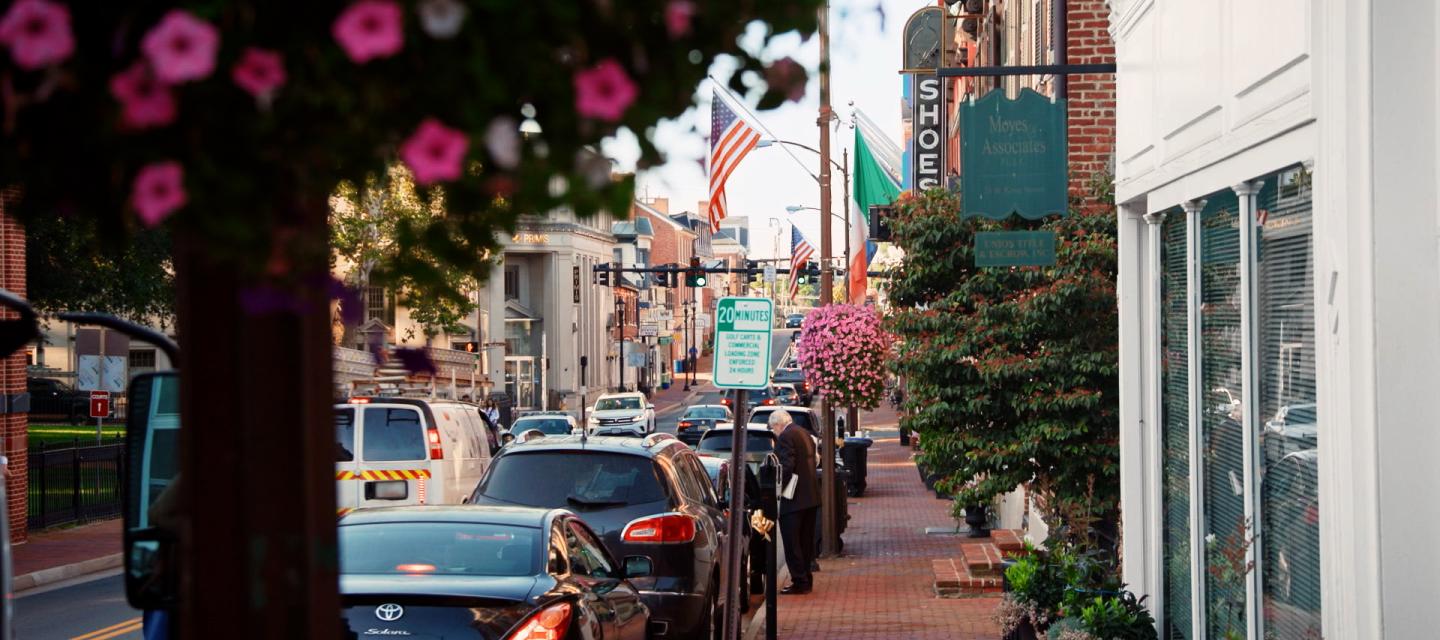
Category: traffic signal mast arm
[602,271]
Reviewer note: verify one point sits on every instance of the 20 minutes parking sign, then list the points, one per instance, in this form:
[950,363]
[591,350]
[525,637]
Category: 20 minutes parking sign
[742,342]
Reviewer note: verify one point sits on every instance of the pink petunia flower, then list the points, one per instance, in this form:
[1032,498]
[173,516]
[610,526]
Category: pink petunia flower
[604,91]
[181,47]
[435,152]
[38,33]
[260,72]
[370,29]
[678,14]
[144,101]
[159,190]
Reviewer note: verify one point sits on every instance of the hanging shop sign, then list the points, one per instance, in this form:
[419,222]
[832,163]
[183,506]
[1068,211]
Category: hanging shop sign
[1015,248]
[927,167]
[1014,155]
[924,38]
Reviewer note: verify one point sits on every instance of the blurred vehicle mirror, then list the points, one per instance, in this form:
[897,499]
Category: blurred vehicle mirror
[152,504]
[638,566]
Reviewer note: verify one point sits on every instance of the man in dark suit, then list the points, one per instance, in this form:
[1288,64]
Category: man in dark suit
[796,450]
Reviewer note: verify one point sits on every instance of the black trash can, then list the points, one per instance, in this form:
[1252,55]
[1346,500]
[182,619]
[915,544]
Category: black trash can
[856,454]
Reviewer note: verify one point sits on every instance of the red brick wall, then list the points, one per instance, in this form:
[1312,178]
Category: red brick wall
[16,426]
[1091,96]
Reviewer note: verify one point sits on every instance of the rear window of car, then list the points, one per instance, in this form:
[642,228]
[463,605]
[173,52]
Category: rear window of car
[393,434]
[608,404]
[573,479]
[719,441]
[344,435]
[789,375]
[798,417]
[438,548]
[547,426]
[705,413]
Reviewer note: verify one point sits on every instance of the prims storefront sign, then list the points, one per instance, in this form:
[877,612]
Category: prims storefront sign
[929,132]
[1014,155]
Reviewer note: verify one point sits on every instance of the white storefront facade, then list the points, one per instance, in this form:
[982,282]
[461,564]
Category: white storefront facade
[1276,168]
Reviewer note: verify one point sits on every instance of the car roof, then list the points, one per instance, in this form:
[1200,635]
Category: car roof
[603,444]
[707,406]
[627,394]
[487,514]
[749,428]
[549,415]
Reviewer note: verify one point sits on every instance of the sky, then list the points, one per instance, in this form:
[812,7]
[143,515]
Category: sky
[864,62]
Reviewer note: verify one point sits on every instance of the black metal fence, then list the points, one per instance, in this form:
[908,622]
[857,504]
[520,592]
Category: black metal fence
[72,483]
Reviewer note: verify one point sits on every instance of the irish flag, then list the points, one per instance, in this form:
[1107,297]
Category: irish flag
[873,186]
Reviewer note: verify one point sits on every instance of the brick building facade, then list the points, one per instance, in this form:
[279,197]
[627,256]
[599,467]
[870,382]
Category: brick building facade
[16,426]
[1022,33]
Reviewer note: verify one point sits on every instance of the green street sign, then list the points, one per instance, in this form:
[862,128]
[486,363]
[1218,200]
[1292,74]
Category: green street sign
[1014,248]
[1013,155]
[742,342]
[665,340]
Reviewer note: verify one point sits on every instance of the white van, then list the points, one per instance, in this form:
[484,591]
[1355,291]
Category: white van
[399,451]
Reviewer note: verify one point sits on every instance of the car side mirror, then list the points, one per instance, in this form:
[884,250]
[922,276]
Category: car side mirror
[638,566]
[153,509]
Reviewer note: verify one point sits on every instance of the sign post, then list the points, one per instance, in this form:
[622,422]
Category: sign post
[743,337]
[99,410]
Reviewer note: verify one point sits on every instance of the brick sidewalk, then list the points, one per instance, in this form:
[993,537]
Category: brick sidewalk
[884,586]
[49,556]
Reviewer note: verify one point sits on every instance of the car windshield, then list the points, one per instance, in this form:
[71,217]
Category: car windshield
[438,548]
[572,479]
[704,413]
[547,426]
[608,404]
[720,440]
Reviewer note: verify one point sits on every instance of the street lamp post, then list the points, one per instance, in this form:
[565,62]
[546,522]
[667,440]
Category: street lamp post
[829,532]
[844,168]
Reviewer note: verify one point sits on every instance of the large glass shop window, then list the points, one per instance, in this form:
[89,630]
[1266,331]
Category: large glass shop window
[1289,501]
[1175,423]
[1222,446]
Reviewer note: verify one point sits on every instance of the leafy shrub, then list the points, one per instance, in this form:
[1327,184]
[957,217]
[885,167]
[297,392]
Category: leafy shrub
[1118,617]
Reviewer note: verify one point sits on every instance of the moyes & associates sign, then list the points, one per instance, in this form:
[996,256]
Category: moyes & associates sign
[1014,155]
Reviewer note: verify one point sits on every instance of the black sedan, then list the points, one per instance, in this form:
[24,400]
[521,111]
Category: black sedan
[431,572]
[794,320]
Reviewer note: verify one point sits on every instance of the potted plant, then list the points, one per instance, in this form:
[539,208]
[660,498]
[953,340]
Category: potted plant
[1120,616]
[1035,588]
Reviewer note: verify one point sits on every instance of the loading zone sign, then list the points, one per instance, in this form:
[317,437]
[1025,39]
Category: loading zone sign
[742,342]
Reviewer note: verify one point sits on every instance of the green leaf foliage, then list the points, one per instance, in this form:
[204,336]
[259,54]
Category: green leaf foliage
[70,265]
[1011,372]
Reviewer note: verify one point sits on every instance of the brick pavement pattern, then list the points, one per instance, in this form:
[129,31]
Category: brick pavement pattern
[883,587]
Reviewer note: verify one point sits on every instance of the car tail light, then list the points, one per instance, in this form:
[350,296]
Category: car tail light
[549,623]
[684,425]
[670,528]
[436,451]
[415,568]
[359,400]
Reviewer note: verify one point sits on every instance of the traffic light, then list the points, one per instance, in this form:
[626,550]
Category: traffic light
[694,276]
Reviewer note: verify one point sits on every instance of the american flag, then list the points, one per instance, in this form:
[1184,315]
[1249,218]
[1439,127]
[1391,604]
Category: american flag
[730,139]
[800,254]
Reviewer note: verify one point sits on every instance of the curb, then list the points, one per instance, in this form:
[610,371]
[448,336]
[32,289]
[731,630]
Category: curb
[52,575]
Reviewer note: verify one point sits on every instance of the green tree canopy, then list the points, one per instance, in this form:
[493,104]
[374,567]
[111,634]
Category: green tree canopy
[69,267]
[1012,372]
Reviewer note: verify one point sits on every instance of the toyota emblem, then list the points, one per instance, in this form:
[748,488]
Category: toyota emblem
[389,612]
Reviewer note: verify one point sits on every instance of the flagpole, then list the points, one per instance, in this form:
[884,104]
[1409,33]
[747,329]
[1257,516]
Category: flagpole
[829,539]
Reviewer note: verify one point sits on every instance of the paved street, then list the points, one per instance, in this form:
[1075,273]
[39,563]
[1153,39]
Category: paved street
[91,610]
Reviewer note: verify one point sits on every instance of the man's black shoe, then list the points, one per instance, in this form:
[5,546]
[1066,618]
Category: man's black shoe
[794,590]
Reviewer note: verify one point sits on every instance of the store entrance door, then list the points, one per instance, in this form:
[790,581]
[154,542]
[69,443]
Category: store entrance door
[522,381]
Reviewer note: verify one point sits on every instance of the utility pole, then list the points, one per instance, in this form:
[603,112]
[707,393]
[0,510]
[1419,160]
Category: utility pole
[829,539]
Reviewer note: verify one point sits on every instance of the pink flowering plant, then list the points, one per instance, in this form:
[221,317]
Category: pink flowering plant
[842,349]
[258,110]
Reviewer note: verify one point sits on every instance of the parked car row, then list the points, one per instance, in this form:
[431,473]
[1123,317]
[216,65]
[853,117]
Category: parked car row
[448,530]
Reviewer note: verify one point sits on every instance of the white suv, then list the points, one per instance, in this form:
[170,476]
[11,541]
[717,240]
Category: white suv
[621,414]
